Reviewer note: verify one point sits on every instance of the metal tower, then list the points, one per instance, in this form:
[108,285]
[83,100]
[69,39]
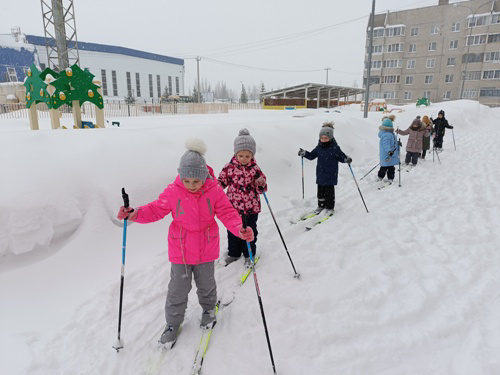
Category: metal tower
[62,48]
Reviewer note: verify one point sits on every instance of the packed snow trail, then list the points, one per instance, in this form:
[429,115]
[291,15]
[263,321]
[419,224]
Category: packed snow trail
[410,288]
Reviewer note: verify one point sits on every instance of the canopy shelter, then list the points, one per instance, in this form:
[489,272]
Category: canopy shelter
[311,95]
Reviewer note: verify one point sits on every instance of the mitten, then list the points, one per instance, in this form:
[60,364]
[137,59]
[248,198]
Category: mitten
[391,153]
[246,234]
[302,152]
[348,160]
[127,213]
[261,181]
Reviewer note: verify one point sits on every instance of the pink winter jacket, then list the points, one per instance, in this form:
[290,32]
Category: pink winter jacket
[193,236]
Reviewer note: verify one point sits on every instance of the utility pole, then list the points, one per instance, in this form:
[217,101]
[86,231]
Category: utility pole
[198,58]
[327,69]
[62,41]
[369,68]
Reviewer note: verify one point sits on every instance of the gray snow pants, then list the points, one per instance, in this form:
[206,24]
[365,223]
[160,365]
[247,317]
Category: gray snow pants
[180,285]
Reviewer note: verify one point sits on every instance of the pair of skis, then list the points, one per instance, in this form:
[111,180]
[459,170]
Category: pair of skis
[313,218]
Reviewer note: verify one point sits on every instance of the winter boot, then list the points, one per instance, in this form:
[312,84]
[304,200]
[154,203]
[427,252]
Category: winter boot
[248,263]
[228,260]
[169,336]
[329,211]
[207,318]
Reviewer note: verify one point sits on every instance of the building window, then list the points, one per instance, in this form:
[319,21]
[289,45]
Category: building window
[427,94]
[455,27]
[395,31]
[492,57]
[409,80]
[375,95]
[377,32]
[377,50]
[390,95]
[472,75]
[407,95]
[448,78]
[494,38]
[392,63]
[491,74]
[489,19]
[431,63]
[447,95]
[452,61]
[453,44]
[177,87]
[428,79]
[375,64]
[43,66]
[391,79]
[138,84]
[104,82]
[411,64]
[151,94]
[12,74]
[115,83]
[414,31]
[170,85]
[432,46]
[434,29]
[158,85]
[469,93]
[392,48]
[475,40]
[374,80]
[490,92]
[129,84]
[473,57]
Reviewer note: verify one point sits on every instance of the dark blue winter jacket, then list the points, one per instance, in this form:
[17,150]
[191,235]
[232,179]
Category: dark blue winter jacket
[329,157]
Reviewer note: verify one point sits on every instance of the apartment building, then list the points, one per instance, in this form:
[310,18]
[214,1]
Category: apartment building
[443,52]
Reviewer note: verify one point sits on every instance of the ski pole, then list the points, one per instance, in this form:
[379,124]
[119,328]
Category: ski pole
[302,177]
[437,155]
[399,157]
[244,219]
[454,144]
[358,188]
[119,342]
[297,275]
[369,171]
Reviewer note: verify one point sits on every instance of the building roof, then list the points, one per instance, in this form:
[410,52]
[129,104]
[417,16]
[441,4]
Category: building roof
[94,47]
[312,91]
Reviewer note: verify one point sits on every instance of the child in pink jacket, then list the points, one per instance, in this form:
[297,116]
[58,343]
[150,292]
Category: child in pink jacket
[244,181]
[193,200]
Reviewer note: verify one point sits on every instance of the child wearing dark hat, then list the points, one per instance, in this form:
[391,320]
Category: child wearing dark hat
[440,125]
[244,181]
[329,155]
[193,200]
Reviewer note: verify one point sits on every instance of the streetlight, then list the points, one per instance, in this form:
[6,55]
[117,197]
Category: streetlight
[474,12]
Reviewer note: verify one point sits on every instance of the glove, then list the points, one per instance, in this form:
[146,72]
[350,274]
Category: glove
[391,153]
[400,144]
[431,119]
[348,160]
[246,234]
[127,213]
[302,152]
[451,126]
[260,182]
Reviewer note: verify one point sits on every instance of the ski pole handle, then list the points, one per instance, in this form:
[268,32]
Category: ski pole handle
[125,198]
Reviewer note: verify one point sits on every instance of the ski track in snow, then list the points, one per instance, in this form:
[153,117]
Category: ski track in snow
[410,288]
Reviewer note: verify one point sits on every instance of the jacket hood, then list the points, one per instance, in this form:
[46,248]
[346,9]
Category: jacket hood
[386,129]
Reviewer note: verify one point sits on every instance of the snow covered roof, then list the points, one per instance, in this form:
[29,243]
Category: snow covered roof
[84,46]
[312,91]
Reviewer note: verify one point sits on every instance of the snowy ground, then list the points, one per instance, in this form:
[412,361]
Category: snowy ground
[413,287]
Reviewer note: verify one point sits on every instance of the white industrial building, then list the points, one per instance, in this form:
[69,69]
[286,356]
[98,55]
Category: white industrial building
[122,71]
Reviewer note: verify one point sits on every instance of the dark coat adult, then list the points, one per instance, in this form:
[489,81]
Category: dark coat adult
[329,155]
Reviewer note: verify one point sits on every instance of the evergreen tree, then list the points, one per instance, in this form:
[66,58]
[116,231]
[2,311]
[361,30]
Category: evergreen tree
[130,98]
[243,96]
[262,91]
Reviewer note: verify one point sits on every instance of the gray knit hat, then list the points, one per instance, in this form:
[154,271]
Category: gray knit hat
[244,141]
[193,163]
[327,129]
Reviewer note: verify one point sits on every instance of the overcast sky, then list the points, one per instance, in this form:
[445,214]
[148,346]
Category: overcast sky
[263,35]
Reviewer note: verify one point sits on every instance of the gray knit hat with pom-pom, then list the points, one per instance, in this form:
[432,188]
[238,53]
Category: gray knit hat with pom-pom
[244,141]
[193,163]
[327,129]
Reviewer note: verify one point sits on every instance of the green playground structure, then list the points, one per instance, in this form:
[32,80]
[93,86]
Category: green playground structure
[423,101]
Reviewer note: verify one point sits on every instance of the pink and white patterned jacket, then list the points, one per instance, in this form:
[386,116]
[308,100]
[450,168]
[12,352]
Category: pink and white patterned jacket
[242,189]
